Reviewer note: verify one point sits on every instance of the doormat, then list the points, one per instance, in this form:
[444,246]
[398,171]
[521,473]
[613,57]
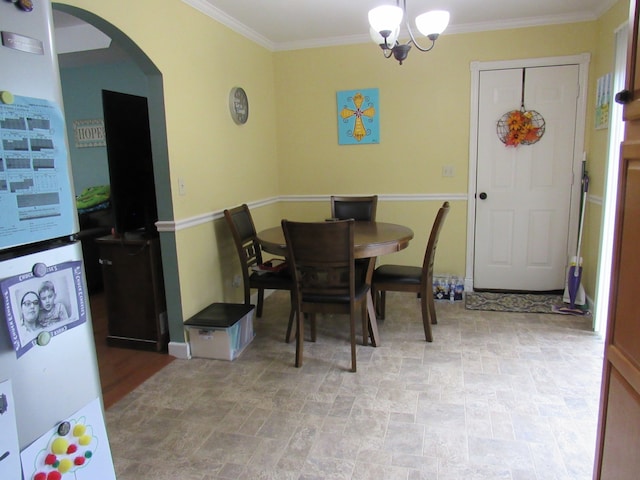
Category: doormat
[513,302]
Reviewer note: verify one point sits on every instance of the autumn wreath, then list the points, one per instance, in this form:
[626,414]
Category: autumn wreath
[520,127]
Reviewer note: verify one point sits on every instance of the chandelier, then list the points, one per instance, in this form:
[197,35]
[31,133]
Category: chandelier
[385,23]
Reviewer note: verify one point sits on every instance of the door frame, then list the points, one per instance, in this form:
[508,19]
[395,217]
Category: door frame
[582,61]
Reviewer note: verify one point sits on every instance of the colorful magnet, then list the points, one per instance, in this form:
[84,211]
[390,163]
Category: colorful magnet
[64,428]
[59,446]
[26,5]
[39,269]
[43,338]
[6,97]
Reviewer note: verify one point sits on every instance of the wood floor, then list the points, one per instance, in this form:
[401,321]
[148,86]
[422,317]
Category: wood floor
[121,369]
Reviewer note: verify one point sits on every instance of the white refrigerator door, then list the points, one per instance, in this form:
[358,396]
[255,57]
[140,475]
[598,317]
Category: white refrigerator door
[37,201]
[54,381]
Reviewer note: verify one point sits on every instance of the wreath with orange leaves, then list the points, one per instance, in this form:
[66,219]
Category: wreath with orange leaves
[520,127]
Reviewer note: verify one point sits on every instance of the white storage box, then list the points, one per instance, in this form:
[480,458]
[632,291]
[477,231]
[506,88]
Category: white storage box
[221,331]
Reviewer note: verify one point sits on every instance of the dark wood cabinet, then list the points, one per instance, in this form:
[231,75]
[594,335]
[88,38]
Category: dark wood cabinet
[134,291]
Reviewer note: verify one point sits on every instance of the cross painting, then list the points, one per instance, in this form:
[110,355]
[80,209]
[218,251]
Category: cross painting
[358,117]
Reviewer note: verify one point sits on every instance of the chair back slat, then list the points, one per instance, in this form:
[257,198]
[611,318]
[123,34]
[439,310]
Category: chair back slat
[321,256]
[244,235]
[358,208]
[245,240]
[322,264]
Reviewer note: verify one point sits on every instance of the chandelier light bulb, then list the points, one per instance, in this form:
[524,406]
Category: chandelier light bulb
[433,22]
[379,39]
[384,30]
[385,17]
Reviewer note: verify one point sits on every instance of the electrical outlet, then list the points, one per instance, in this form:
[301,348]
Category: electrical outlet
[237,281]
[447,170]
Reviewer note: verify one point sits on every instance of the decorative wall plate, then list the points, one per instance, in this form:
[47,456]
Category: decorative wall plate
[238,105]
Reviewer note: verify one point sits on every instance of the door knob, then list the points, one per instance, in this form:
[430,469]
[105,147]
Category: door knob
[483,196]
[624,96]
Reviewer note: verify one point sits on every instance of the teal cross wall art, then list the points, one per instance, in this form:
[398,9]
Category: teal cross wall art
[358,117]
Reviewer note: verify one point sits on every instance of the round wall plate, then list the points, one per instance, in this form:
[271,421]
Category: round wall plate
[238,105]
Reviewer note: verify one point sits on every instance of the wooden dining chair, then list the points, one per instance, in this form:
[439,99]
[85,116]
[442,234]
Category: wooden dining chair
[363,209]
[402,278]
[249,251]
[358,208]
[323,268]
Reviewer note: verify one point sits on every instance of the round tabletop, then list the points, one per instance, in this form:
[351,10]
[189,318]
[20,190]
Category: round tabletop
[371,239]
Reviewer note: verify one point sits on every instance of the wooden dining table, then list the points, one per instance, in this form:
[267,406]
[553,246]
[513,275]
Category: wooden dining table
[371,239]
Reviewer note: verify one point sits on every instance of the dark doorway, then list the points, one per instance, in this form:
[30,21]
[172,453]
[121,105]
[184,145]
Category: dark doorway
[128,138]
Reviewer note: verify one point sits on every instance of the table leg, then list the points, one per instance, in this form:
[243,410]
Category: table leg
[373,322]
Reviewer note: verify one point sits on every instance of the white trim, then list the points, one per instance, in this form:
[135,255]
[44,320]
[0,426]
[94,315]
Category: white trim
[521,23]
[202,219]
[180,350]
[582,61]
[217,14]
[171,226]
[206,8]
[530,62]
[608,202]
[595,199]
[451,30]
[389,197]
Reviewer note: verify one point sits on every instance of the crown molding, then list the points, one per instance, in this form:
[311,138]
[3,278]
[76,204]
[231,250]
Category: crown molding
[232,23]
[238,27]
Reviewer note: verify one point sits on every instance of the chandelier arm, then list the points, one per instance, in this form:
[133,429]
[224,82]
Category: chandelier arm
[431,37]
[400,50]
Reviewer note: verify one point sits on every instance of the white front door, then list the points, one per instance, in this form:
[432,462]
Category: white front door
[523,193]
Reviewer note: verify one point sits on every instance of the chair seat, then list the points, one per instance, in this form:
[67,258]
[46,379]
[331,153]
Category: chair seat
[400,278]
[403,274]
[275,281]
[360,291]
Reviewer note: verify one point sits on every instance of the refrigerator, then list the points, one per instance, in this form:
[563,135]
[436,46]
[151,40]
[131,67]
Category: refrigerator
[50,395]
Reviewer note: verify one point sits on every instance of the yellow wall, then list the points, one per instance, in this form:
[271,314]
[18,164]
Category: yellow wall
[424,110]
[603,62]
[289,146]
[424,124]
[200,62]
[222,164]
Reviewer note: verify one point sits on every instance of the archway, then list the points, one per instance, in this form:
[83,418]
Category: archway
[160,157]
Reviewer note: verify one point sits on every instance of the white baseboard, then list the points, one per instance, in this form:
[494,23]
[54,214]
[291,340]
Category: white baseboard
[180,350]
[468,284]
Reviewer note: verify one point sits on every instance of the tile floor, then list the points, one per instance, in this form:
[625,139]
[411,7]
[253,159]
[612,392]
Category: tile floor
[496,396]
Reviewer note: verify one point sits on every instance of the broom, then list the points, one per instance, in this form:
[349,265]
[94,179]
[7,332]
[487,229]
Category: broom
[575,270]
